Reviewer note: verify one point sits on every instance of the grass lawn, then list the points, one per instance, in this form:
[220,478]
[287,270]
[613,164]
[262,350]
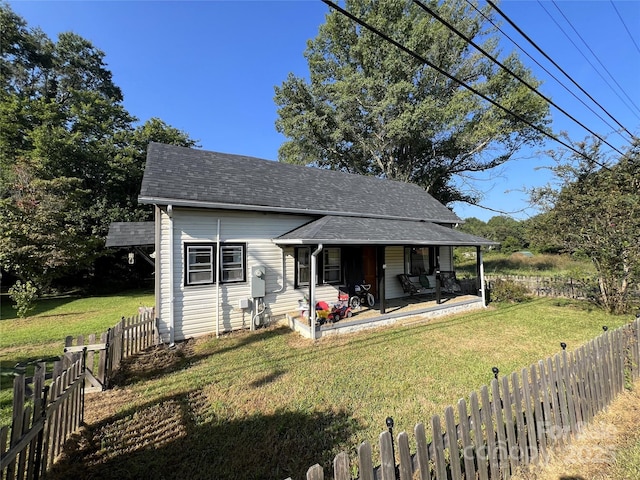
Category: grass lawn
[269,404]
[42,334]
[537,265]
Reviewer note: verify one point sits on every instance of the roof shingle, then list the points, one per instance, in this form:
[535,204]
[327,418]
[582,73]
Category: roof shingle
[188,177]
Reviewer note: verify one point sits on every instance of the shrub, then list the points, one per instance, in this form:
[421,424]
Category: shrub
[508,291]
[24,296]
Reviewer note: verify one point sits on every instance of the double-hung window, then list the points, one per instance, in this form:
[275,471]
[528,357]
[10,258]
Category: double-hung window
[232,258]
[200,263]
[332,266]
[303,265]
[329,266]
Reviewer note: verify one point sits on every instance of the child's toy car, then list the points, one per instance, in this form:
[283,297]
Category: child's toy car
[341,309]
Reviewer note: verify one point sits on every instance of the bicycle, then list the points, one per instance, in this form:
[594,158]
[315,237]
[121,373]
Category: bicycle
[363,295]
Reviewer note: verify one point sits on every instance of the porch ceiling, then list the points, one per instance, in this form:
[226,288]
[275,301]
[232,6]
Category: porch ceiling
[336,230]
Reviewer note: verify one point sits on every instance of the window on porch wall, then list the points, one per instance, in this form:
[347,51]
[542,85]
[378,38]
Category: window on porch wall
[332,265]
[329,266]
[418,260]
[303,265]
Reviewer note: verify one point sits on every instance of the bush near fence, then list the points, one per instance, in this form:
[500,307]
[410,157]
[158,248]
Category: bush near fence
[40,428]
[515,421]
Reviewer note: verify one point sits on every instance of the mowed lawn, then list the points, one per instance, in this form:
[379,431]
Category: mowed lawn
[269,404]
[42,334]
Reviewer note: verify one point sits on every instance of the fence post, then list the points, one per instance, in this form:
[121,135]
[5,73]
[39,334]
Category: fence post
[107,361]
[39,464]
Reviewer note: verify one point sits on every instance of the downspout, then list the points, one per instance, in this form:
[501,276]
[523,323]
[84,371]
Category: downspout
[482,283]
[218,280]
[171,279]
[312,291]
[157,217]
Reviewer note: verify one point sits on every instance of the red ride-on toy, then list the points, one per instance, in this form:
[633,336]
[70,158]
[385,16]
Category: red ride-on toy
[341,309]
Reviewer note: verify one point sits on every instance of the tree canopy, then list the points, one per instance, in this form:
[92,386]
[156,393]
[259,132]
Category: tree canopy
[71,156]
[370,108]
[595,211]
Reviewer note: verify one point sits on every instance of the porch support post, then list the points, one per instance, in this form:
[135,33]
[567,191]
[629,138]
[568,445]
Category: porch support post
[438,278]
[481,272]
[381,267]
[478,268]
[312,291]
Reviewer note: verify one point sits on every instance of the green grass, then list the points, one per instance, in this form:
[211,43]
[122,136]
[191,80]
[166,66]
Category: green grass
[538,265]
[269,404]
[42,334]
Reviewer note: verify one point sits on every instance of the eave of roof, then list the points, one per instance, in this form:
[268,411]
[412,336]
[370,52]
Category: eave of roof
[339,230]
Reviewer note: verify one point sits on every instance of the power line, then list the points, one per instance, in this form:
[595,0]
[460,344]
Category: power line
[594,55]
[557,79]
[624,25]
[589,61]
[458,81]
[513,74]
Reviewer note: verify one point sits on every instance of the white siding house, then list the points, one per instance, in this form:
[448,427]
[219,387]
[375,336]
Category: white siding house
[237,239]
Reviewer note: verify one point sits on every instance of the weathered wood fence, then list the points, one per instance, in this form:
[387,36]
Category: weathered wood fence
[128,337]
[550,286]
[39,428]
[513,422]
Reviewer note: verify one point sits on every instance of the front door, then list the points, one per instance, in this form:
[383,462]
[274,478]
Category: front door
[369,269]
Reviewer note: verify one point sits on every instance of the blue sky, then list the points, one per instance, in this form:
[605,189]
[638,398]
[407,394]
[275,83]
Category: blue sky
[210,67]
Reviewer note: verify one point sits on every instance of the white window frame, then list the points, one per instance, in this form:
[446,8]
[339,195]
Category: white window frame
[303,267]
[226,268]
[330,269]
[195,262]
[196,251]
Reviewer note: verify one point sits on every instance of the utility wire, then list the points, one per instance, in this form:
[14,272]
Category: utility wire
[556,78]
[594,54]
[510,72]
[624,25]
[458,81]
[589,61]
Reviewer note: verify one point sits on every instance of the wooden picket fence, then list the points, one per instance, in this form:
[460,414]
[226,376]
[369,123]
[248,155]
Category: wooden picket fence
[514,422]
[40,428]
[128,337]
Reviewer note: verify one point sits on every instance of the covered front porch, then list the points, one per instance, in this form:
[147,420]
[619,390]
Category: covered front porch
[407,265]
[404,311]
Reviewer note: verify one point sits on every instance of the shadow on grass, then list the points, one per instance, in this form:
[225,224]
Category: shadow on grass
[180,437]
[161,360]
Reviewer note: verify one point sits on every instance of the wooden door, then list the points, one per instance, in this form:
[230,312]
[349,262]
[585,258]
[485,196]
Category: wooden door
[369,269]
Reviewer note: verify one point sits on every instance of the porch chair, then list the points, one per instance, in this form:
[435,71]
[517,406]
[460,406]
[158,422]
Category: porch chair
[407,285]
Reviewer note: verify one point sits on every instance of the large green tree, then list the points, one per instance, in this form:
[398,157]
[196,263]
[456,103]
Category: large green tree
[71,156]
[372,109]
[595,212]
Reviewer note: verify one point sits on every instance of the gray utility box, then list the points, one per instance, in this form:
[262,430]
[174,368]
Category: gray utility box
[258,283]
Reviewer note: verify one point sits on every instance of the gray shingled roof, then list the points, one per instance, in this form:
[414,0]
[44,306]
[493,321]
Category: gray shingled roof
[196,178]
[348,230]
[130,234]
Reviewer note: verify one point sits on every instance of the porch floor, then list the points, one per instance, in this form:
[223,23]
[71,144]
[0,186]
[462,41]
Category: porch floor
[406,310]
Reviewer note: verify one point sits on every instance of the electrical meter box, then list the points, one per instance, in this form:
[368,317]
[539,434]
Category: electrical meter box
[258,283]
